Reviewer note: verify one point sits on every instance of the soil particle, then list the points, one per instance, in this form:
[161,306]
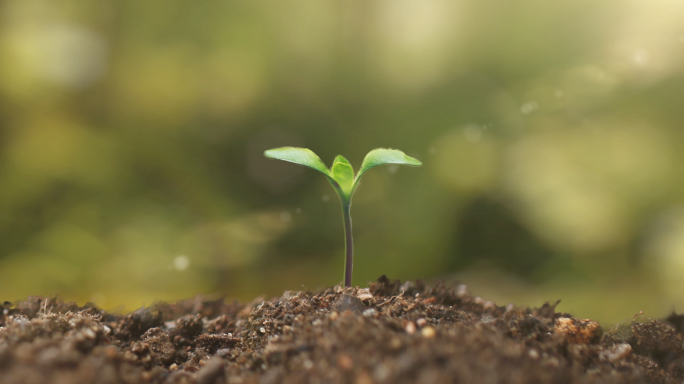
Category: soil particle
[133,325]
[578,331]
[158,341]
[387,333]
[660,342]
[212,372]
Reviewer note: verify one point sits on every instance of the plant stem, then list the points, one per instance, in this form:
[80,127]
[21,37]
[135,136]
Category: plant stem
[349,243]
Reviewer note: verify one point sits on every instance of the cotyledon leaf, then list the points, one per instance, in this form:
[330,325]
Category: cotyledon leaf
[301,156]
[380,156]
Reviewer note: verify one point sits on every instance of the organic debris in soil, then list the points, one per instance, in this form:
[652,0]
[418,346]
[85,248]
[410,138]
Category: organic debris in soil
[387,333]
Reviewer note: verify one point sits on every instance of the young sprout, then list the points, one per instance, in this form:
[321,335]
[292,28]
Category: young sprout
[341,177]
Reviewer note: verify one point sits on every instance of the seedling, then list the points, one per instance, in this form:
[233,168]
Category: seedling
[341,177]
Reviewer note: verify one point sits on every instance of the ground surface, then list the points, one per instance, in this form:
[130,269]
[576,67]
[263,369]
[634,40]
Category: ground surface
[387,333]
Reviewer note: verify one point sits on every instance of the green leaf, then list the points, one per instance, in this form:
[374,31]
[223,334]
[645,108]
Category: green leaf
[343,173]
[301,156]
[380,156]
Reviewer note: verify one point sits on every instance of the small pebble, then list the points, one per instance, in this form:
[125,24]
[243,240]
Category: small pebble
[345,362]
[364,294]
[578,331]
[462,290]
[617,353]
[428,332]
[551,362]
[88,333]
[349,303]
[381,372]
[410,328]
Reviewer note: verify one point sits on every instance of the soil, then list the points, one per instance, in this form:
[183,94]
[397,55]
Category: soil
[387,333]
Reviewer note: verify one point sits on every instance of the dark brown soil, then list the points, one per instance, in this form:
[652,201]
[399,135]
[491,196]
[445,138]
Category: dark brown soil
[388,333]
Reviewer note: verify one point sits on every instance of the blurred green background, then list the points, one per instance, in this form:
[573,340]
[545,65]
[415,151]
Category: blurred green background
[132,137]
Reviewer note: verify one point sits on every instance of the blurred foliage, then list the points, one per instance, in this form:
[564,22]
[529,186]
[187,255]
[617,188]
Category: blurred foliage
[132,137]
